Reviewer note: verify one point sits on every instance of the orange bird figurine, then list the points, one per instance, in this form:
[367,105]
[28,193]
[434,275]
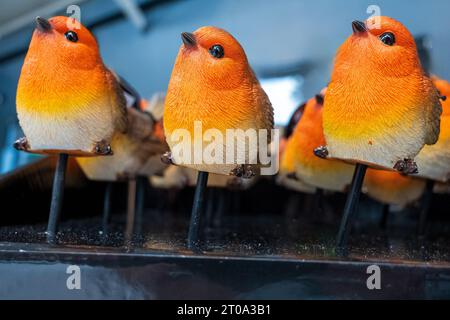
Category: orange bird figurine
[213,83]
[434,161]
[67,100]
[299,160]
[380,108]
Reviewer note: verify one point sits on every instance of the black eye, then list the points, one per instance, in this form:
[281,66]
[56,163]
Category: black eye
[388,38]
[217,51]
[71,36]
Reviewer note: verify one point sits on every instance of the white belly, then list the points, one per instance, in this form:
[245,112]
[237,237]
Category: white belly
[79,133]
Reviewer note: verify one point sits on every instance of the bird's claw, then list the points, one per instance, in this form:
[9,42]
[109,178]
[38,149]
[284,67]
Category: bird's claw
[102,148]
[321,152]
[167,158]
[22,144]
[406,167]
[243,171]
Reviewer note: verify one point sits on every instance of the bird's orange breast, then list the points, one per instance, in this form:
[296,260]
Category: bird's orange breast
[193,96]
[367,106]
[47,92]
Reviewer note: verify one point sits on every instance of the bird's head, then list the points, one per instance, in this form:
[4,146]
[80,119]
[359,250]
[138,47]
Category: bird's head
[380,44]
[214,55]
[65,42]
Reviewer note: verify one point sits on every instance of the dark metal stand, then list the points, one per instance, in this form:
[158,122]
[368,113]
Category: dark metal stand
[107,208]
[318,203]
[197,209]
[351,206]
[57,197]
[140,204]
[220,212]
[131,211]
[384,216]
[424,208]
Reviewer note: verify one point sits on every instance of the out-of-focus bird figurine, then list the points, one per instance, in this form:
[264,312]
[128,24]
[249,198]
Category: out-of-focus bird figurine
[213,85]
[299,159]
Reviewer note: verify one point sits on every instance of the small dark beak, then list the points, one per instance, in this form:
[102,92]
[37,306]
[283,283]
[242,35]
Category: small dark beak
[358,27]
[43,25]
[320,99]
[188,39]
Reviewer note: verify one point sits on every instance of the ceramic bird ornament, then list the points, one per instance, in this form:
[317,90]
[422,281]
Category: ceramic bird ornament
[67,100]
[212,84]
[380,108]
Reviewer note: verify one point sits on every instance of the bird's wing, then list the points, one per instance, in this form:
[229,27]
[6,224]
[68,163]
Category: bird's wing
[141,130]
[129,91]
[265,115]
[118,102]
[433,113]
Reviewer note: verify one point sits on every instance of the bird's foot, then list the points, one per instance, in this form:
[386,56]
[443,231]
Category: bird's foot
[102,148]
[321,152]
[167,158]
[22,144]
[243,171]
[406,166]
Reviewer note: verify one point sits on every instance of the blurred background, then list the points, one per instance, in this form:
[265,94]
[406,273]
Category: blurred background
[289,43]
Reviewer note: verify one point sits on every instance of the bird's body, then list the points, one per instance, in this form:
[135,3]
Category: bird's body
[221,93]
[67,100]
[299,158]
[434,161]
[380,107]
[392,188]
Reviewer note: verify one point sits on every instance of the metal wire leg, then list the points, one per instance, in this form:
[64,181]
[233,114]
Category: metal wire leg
[57,197]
